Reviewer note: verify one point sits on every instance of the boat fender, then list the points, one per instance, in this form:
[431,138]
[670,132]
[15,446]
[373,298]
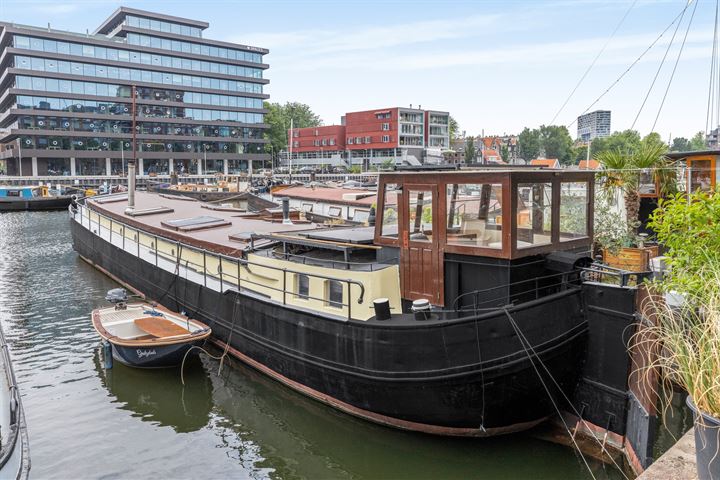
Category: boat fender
[421,309]
[382,308]
[107,355]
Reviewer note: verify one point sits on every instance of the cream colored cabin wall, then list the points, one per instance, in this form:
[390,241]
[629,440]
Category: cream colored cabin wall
[384,283]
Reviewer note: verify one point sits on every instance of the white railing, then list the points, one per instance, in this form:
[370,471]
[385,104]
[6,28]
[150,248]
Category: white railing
[220,273]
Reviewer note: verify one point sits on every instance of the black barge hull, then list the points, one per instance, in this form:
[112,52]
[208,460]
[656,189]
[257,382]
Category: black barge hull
[20,204]
[469,377]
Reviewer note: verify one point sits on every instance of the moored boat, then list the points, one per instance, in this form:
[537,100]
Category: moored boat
[433,319]
[144,335]
[28,198]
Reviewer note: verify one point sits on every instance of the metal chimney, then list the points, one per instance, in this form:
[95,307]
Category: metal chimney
[286,211]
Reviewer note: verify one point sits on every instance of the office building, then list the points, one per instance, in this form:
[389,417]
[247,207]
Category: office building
[66,98]
[593,125]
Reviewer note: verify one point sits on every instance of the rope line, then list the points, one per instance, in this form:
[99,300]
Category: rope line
[637,60]
[602,50]
[657,73]
[677,60]
[710,117]
[524,341]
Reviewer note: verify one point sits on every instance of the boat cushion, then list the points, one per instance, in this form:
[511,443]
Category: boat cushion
[160,327]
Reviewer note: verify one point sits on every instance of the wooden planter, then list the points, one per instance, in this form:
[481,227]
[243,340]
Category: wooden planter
[631,259]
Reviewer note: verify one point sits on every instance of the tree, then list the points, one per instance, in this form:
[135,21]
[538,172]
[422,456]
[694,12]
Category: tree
[529,144]
[557,143]
[278,118]
[470,152]
[623,170]
[453,128]
[625,141]
[680,144]
[698,141]
[504,153]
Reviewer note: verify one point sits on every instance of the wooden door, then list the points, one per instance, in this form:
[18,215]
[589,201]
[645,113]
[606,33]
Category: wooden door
[420,253]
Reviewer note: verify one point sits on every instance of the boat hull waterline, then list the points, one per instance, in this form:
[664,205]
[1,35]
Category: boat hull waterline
[494,392]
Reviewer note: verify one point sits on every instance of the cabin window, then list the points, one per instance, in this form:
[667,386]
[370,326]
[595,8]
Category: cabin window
[390,212]
[307,207]
[573,210]
[701,175]
[303,286]
[334,211]
[474,215]
[334,293]
[361,215]
[534,214]
[13,193]
[420,215]
[647,185]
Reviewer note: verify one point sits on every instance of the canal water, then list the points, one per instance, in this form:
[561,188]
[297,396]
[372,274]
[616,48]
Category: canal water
[85,422]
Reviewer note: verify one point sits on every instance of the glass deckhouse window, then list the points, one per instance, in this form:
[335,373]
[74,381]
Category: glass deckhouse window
[390,212]
[420,215]
[474,215]
[573,210]
[534,214]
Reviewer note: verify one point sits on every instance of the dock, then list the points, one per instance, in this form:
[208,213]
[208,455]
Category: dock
[678,463]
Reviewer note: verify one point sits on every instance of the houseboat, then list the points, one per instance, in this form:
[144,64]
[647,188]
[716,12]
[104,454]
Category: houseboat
[14,199]
[327,204]
[459,312]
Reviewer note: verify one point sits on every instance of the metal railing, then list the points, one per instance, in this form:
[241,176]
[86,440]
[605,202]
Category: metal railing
[223,277]
[11,438]
[329,263]
[537,287]
[601,273]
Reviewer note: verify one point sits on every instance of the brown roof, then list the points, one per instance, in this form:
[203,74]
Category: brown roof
[591,165]
[545,162]
[328,195]
[213,239]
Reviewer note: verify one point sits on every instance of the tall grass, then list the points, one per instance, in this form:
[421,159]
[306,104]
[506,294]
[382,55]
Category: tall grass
[683,345]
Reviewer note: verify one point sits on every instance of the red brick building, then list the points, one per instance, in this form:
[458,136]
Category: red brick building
[403,135]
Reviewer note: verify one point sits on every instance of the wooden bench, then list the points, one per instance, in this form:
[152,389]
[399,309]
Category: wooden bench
[160,327]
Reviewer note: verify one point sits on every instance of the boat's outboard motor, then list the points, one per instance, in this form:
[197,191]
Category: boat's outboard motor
[117,296]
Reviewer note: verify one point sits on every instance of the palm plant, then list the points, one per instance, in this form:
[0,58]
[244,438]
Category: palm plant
[623,170]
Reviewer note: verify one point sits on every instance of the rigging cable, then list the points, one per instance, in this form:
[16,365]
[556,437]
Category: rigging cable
[602,50]
[637,60]
[524,341]
[677,60]
[709,119]
[657,73]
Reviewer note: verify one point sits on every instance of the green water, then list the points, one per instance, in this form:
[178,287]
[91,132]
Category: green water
[85,422]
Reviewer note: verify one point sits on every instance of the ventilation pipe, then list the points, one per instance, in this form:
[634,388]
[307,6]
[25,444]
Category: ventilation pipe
[286,211]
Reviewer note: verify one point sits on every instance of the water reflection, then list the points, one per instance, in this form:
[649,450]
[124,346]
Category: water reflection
[158,395]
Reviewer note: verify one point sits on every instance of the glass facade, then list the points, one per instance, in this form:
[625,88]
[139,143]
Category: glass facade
[132,74]
[114,108]
[161,26]
[120,55]
[143,93]
[202,112]
[191,47]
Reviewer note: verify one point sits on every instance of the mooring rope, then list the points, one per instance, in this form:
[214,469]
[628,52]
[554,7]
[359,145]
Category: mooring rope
[523,342]
[547,390]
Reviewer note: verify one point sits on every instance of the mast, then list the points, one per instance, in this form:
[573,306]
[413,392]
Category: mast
[131,163]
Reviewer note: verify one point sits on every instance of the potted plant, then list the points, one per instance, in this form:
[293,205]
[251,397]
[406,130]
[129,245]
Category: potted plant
[618,241]
[685,342]
[623,171]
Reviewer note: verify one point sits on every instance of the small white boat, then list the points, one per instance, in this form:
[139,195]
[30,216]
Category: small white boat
[144,335]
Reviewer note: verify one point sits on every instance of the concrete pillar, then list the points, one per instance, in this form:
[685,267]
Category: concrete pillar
[72,167]
[225,166]
[108,167]
[200,167]
[34,167]
[140,167]
[171,166]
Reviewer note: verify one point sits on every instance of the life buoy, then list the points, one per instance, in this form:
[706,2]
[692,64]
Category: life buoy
[203,197]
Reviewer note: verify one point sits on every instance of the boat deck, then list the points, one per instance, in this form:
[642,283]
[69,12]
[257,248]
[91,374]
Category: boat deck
[214,238]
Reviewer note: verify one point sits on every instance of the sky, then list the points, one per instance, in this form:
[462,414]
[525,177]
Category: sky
[496,66]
